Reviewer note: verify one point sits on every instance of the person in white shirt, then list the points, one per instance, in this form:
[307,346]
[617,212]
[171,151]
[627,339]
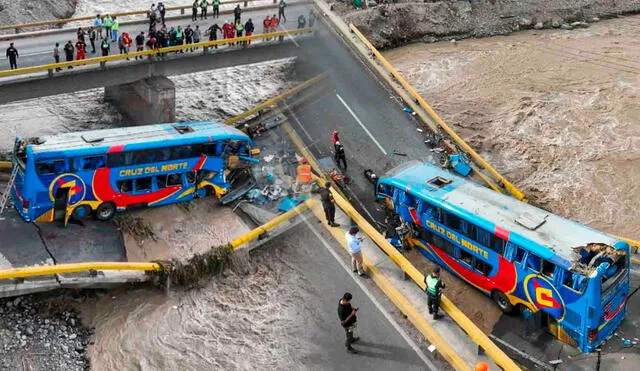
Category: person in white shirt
[353,243]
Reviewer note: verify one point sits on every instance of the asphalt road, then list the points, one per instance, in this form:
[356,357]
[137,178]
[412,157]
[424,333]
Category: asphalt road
[38,50]
[381,345]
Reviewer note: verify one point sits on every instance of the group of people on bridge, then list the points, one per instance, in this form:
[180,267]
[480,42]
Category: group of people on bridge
[104,33]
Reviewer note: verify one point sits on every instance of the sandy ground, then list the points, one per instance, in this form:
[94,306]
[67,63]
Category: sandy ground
[555,111]
[233,322]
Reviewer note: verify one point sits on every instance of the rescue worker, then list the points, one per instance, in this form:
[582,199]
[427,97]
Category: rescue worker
[275,22]
[303,173]
[266,25]
[301,21]
[237,11]
[104,46]
[140,43]
[97,24]
[328,204]
[216,8]
[203,9]
[161,9]
[348,319]
[106,24]
[179,37]
[213,33]
[56,55]
[281,7]
[434,290]
[12,55]
[115,26]
[188,35]
[239,28]
[335,137]
[339,155]
[92,39]
[127,41]
[68,52]
[80,51]
[248,30]
[81,34]
[194,11]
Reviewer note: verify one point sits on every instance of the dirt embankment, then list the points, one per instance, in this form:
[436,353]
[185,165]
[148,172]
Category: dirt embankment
[25,11]
[398,24]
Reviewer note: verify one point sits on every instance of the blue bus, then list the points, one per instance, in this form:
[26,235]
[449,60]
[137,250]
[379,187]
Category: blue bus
[101,172]
[575,278]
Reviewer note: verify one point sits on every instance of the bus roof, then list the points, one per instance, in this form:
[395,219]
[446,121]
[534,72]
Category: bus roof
[542,228]
[149,135]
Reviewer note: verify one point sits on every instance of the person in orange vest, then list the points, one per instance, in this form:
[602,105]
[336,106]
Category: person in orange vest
[266,24]
[303,173]
[275,22]
[482,366]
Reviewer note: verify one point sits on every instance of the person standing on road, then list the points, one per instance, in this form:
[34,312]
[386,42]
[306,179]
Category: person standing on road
[194,11]
[127,41]
[281,7]
[237,11]
[339,155]
[216,8]
[348,319]
[115,26]
[92,39]
[97,24]
[213,33]
[311,17]
[335,137]
[197,35]
[354,243]
[266,25]
[239,29]
[275,22]
[12,54]
[203,7]
[188,36]
[161,9]
[434,291]
[68,52]
[139,44]
[248,30]
[301,21]
[81,34]
[56,55]
[80,50]
[107,23]
[179,37]
[104,46]
[328,204]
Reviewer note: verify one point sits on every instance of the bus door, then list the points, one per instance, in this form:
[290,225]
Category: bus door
[60,204]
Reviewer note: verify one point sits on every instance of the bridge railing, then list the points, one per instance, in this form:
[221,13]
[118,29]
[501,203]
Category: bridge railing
[206,45]
[181,8]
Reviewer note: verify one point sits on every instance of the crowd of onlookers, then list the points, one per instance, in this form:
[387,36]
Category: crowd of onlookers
[104,32]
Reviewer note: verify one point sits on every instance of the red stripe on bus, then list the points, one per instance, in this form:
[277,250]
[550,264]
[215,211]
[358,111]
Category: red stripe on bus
[201,161]
[414,216]
[502,233]
[116,149]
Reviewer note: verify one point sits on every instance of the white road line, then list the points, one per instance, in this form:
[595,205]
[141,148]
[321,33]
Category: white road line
[298,122]
[375,302]
[361,124]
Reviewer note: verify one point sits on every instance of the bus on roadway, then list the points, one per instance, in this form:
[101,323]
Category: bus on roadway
[101,172]
[573,278]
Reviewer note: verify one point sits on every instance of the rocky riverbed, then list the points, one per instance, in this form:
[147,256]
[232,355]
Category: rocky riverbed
[41,333]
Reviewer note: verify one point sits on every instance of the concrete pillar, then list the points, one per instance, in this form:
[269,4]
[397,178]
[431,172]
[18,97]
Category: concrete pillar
[148,101]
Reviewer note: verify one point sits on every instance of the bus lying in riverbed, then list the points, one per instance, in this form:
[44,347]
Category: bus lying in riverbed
[103,171]
[575,278]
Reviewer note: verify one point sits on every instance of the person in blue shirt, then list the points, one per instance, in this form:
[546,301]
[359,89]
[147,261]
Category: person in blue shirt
[354,243]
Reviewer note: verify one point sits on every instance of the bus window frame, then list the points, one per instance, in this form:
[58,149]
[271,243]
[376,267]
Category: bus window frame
[135,185]
[50,163]
[526,265]
[487,264]
[122,181]
[584,283]
[470,264]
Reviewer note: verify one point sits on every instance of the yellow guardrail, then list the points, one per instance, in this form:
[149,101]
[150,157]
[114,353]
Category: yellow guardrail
[272,101]
[257,232]
[154,52]
[401,301]
[5,164]
[452,134]
[181,8]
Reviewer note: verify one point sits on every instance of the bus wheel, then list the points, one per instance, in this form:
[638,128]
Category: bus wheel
[81,212]
[105,211]
[502,301]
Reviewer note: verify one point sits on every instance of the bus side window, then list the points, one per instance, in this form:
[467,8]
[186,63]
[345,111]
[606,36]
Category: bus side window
[453,222]
[468,229]
[483,237]
[424,234]
[519,254]
[143,184]
[116,160]
[482,267]
[91,163]
[450,249]
[547,268]
[440,215]
[174,180]
[573,281]
[47,167]
[125,186]
[191,177]
[161,181]
[466,257]
[496,244]
[533,262]
[211,149]
[407,200]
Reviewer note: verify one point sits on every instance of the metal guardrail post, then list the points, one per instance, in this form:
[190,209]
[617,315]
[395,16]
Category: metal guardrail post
[205,50]
[182,11]
[50,72]
[103,64]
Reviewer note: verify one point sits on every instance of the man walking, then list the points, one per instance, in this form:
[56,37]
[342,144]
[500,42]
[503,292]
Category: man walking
[56,55]
[339,155]
[354,243]
[281,7]
[68,52]
[236,14]
[216,8]
[348,319]
[12,54]
[328,204]
[434,290]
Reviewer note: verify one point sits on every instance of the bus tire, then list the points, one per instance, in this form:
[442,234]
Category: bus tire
[106,211]
[502,301]
[81,212]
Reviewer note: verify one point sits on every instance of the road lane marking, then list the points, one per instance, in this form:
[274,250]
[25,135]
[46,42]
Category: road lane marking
[361,124]
[295,118]
[373,299]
